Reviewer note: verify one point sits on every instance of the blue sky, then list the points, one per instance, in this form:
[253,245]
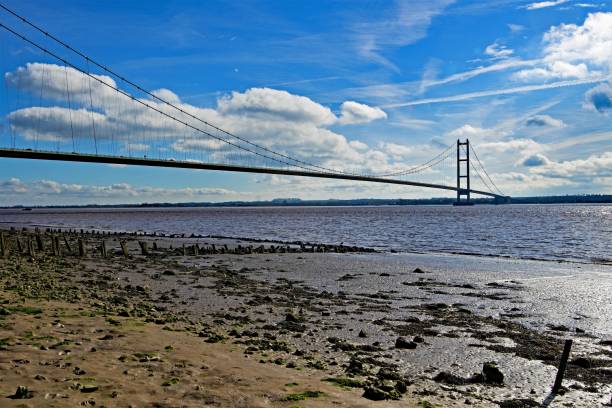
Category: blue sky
[373,86]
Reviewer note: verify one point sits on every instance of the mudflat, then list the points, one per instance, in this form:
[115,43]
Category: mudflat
[158,321]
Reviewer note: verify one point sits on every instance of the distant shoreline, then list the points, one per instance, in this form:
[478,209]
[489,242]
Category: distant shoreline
[296,202]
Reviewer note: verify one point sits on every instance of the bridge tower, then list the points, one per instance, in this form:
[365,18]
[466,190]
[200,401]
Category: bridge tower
[463,173]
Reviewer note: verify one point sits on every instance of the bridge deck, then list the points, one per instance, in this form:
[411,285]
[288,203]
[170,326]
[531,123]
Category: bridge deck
[132,161]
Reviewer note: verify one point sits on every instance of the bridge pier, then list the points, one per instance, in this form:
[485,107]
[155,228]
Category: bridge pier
[463,158]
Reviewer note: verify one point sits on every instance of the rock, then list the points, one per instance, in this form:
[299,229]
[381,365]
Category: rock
[558,327]
[362,333]
[448,378]
[519,403]
[290,317]
[385,373]
[403,343]
[581,362]
[22,393]
[374,394]
[356,367]
[418,339]
[492,374]
[418,270]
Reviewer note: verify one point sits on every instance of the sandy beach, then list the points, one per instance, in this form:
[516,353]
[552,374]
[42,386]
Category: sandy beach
[200,321]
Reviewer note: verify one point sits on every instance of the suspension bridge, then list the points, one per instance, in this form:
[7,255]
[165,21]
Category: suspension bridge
[62,105]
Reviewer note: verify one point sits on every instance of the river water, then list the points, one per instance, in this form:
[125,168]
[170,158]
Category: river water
[577,233]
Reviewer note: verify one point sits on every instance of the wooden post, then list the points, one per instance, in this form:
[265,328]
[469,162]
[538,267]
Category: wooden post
[103,249]
[566,352]
[82,250]
[39,243]
[30,248]
[19,246]
[196,250]
[3,248]
[124,248]
[144,249]
[184,250]
[58,249]
[67,244]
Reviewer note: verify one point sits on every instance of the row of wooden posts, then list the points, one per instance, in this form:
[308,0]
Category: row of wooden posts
[36,243]
[30,245]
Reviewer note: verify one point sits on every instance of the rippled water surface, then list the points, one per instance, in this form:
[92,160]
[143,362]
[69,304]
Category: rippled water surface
[551,232]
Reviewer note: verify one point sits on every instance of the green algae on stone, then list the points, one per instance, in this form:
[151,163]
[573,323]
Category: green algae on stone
[345,382]
[300,396]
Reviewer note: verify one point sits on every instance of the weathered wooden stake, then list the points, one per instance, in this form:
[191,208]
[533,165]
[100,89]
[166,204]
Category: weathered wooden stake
[3,248]
[67,244]
[30,248]
[56,243]
[144,248]
[19,246]
[184,250]
[103,249]
[562,365]
[39,243]
[196,250]
[82,251]
[124,248]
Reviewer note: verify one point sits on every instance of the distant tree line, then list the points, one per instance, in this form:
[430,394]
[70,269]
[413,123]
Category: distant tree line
[294,202]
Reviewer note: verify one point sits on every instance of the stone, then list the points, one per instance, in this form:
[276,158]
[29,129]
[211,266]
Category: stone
[374,394]
[403,343]
[492,374]
[22,393]
[362,333]
[418,339]
[581,362]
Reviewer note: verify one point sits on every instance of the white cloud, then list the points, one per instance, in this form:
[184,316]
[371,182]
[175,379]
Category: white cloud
[355,113]
[523,146]
[544,121]
[573,51]
[405,25]
[545,4]
[516,28]
[596,166]
[599,98]
[290,124]
[272,104]
[117,190]
[468,130]
[497,92]
[498,51]
[535,160]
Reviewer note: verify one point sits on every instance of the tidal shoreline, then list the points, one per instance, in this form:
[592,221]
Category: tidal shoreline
[262,301]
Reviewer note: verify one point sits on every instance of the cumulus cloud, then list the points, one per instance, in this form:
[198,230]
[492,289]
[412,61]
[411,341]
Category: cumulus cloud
[273,104]
[475,132]
[575,51]
[354,113]
[597,166]
[118,190]
[544,121]
[291,124]
[599,98]
[535,160]
[515,145]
